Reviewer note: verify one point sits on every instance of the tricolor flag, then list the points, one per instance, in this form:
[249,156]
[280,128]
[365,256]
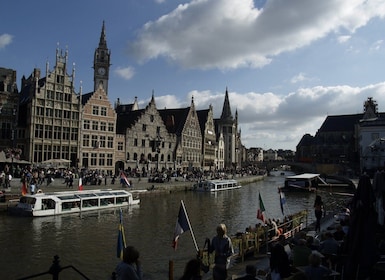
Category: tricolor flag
[261,209]
[124,180]
[182,225]
[24,190]
[80,187]
[121,237]
[282,199]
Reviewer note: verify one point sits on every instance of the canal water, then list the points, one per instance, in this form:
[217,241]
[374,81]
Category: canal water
[88,241]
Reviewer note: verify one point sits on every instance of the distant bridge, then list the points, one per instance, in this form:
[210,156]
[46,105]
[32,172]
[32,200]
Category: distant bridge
[302,166]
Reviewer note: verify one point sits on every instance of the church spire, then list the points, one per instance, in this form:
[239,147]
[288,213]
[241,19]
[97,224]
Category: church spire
[103,41]
[226,111]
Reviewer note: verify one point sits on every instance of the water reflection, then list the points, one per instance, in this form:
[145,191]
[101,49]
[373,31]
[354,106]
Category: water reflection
[88,241]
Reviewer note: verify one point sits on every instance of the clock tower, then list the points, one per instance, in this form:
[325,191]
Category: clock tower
[102,62]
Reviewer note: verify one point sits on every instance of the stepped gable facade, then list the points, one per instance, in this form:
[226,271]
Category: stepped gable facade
[9,108]
[184,124]
[149,146]
[50,112]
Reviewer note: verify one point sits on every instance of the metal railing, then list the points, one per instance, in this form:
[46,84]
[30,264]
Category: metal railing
[55,270]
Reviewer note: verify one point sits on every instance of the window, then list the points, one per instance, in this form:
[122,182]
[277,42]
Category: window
[94,141]
[103,111]
[144,127]
[48,132]
[95,125]
[86,140]
[110,142]
[102,142]
[66,133]
[74,133]
[110,127]
[109,159]
[95,110]
[86,124]
[39,131]
[103,126]
[102,159]
[94,159]
[120,146]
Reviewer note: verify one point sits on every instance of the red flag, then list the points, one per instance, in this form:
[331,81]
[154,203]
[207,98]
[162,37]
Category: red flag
[24,188]
[80,188]
[260,215]
[124,180]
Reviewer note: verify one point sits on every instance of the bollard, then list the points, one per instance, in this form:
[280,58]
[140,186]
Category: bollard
[55,268]
[171,270]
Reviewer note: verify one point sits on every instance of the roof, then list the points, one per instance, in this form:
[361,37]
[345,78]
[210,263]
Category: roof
[340,123]
[304,176]
[174,119]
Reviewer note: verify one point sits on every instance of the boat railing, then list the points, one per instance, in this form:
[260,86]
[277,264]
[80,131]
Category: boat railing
[259,240]
[55,270]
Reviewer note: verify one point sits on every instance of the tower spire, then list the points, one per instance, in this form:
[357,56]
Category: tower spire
[103,41]
[226,111]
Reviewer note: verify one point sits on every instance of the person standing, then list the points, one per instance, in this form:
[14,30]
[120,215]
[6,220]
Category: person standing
[222,246]
[129,268]
[318,210]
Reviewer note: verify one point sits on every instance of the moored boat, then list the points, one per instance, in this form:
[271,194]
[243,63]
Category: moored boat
[312,181]
[216,185]
[60,203]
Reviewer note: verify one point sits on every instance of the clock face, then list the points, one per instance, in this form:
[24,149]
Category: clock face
[101,71]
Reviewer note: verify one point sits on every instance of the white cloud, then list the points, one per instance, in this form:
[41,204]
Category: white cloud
[267,118]
[228,34]
[376,46]
[298,78]
[126,73]
[5,40]
[343,38]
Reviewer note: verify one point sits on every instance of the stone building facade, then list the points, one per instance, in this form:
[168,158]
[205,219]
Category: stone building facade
[50,114]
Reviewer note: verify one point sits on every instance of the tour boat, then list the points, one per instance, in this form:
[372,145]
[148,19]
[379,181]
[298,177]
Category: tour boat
[216,185]
[312,181]
[60,203]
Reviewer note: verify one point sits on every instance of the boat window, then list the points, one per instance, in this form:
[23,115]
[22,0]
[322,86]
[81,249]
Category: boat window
[106,201]
[86,195]
[67,197]
[120,200]
[90,202]
[103,194]
[47,204]
[28,200]
[66,206]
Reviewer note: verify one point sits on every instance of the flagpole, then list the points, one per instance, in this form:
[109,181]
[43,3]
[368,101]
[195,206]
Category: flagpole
[188,221]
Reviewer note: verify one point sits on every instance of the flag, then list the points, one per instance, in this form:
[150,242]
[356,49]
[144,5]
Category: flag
[121,237]
[24,188]
[261,210]
[282,199]
[80,187]
[123,179]
[182,225]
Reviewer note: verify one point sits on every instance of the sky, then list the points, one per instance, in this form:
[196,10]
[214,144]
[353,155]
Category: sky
[287,64]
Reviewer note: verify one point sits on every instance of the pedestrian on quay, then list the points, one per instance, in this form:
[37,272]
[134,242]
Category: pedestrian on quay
[129,268]
[222,246]
[318,211]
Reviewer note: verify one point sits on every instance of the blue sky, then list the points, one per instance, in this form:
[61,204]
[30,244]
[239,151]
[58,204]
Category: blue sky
[287,64]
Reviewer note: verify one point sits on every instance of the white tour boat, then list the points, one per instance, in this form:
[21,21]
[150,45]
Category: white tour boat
[60,203]
[216,185]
